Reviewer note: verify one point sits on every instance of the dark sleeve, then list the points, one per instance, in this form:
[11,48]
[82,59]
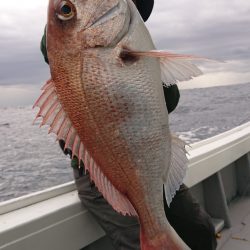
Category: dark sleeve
[43,47]
[172,96]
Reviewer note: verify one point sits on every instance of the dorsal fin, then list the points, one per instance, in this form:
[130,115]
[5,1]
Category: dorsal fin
[52,114]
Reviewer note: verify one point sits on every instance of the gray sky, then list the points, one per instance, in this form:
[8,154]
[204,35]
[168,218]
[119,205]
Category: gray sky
[218,29]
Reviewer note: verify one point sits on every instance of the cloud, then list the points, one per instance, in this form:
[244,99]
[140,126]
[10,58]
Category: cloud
[23,19]
[16,95]
[22,25]
[22,63]
[216,29]
[210,28]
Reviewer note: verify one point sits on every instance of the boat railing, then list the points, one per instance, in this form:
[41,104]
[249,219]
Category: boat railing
[219,170]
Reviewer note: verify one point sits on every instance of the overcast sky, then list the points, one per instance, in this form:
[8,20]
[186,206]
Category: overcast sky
[218,29]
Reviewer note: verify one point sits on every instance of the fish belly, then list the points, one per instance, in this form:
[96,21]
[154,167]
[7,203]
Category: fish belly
[123,123]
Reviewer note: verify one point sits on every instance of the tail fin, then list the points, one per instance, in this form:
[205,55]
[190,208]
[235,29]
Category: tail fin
[163,241]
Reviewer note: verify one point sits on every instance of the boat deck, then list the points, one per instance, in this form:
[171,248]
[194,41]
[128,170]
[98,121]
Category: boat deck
[238,236]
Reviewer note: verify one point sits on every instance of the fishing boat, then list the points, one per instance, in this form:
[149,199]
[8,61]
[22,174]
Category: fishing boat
[218,176]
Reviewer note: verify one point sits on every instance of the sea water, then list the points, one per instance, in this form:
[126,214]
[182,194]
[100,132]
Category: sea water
[31,160]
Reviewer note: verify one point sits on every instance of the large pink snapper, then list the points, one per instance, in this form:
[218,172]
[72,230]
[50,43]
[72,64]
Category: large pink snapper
[105,100]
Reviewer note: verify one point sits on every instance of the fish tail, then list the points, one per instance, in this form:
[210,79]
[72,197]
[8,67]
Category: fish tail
[163,241]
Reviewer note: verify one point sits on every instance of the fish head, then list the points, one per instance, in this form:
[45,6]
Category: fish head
[77,24]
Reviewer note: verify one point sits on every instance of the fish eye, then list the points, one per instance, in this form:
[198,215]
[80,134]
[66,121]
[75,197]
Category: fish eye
[65,10]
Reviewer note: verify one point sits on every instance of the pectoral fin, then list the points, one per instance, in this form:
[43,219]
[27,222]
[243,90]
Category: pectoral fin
[174,67]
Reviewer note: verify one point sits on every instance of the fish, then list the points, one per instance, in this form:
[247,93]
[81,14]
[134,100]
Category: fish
[105,100]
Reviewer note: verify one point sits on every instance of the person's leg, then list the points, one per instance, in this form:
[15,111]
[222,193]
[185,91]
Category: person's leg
[185,215]
[122,230]
[190,221]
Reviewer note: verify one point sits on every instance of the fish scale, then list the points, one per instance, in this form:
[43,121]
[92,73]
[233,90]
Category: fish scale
[108,105]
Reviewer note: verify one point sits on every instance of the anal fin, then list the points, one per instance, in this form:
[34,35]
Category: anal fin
[177,170]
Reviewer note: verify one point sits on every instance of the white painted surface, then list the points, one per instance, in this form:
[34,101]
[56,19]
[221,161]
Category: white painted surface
[36,197]
[57,223]
[212,155]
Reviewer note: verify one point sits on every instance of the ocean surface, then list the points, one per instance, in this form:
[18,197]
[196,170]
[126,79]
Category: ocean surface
[31,160]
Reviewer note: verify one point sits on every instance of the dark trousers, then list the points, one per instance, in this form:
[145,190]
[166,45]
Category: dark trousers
[185,215]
